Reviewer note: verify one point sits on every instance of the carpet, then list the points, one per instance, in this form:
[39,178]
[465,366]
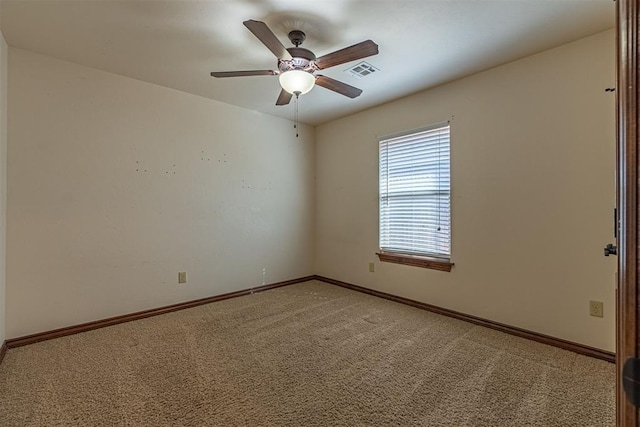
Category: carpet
[310,354]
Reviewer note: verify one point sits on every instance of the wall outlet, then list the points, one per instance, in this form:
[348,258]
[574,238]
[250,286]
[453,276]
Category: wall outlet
[596,308]
[182,277]
[372,267]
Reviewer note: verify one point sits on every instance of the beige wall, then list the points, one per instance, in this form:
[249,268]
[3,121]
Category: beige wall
[3,178]
[89,236]
[532,193]
[115,185]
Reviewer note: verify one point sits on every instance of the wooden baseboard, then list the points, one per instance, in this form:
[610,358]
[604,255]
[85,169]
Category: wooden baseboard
[545,339]
[523,333]
[84,327]
[3,350]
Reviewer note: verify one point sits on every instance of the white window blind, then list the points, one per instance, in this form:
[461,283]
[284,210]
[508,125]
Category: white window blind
[415,205]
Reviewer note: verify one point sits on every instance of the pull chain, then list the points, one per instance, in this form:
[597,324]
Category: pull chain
[295,114]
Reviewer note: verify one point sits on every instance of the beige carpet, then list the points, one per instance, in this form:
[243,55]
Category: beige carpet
[311,354]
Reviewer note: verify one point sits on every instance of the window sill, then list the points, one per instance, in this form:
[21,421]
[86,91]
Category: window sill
[416,261]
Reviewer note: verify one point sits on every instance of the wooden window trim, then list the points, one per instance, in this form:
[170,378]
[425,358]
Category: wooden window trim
[416,261]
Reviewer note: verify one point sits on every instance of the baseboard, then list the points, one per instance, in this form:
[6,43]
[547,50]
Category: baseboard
[523,333]
[3,350]
[84,327]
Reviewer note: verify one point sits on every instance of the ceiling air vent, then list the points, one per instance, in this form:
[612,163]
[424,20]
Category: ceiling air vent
[362,69]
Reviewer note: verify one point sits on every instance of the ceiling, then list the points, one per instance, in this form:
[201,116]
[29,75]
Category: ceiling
[176,43]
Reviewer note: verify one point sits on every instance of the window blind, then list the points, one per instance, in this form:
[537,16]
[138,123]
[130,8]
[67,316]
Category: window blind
[415,205]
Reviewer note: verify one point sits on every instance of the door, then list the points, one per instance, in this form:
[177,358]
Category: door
[628,208]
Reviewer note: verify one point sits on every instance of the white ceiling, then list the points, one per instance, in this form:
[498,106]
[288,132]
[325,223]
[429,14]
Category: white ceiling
[176,43]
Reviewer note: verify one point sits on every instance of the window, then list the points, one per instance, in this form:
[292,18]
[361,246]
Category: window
[415,203]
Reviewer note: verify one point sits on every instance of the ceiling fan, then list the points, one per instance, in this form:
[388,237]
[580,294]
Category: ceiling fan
[297,65]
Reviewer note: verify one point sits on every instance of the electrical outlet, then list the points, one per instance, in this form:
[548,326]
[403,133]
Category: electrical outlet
[182,277]
[372,267]
[596,308]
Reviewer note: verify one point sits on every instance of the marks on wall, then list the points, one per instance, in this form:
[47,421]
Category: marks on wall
[206,160]
[141,169]
[246,186]
[171,169]
[138,167]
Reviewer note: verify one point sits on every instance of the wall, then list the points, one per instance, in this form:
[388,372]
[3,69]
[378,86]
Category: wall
[115,185]
[533,167]
[3,178]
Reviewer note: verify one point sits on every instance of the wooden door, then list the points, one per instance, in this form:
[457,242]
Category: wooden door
[628,199]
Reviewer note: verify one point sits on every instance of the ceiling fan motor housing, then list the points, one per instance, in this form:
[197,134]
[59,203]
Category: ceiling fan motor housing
[303,59]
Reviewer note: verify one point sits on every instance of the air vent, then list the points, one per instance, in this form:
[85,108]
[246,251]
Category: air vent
[362,69]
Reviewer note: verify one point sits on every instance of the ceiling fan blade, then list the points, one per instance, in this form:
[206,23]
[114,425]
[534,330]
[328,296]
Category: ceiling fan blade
[336,86]
[243,73]
[284,98]
[266,36]
[348,54]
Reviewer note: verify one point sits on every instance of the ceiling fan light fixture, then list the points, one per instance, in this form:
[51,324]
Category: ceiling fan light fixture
[297,81]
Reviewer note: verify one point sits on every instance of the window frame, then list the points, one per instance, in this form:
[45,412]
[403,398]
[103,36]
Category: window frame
[430,261]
